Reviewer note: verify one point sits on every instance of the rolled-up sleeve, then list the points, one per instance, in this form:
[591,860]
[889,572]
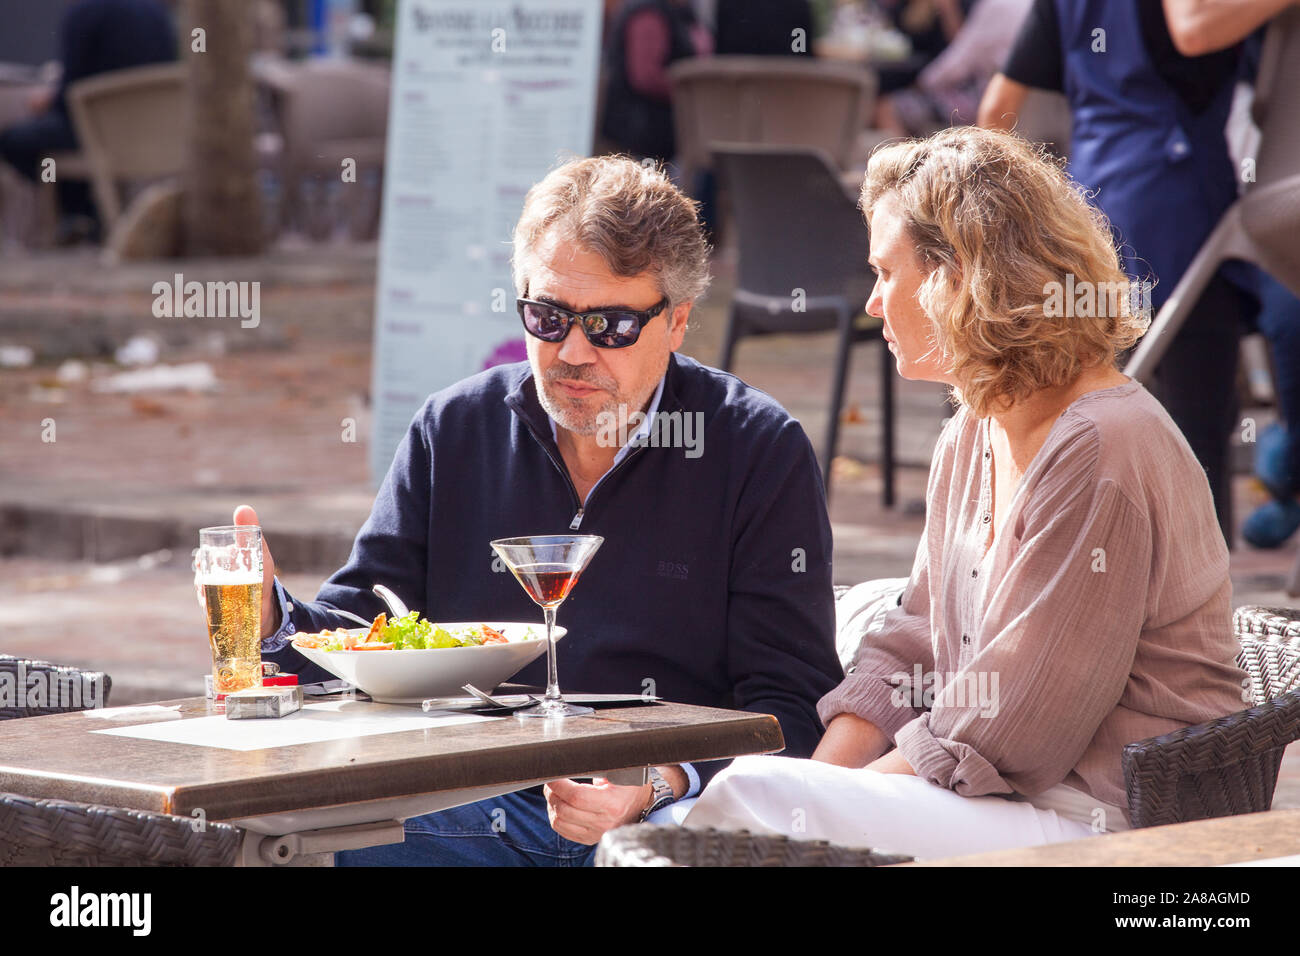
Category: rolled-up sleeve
[1055,646]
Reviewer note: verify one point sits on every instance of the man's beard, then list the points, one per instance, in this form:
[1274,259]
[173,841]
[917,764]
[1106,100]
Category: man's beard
[576,415]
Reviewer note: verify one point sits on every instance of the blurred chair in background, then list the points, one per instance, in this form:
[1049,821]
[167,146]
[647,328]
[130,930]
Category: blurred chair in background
[327,111]
[778,101]
[803,268]
[131,125]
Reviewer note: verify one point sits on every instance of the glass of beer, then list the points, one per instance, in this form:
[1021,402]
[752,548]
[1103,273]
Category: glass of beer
[228,567]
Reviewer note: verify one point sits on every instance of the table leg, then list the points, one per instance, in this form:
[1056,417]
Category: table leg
[316,847]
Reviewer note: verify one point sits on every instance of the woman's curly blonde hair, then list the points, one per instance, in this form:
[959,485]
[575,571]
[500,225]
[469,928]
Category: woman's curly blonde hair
[1004,235]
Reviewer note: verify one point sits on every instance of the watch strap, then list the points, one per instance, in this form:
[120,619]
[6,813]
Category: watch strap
[661,793]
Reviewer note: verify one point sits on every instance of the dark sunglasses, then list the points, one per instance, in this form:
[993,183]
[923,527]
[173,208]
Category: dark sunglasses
[606,329]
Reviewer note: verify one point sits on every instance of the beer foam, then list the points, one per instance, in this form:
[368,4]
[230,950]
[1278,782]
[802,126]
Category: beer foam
[228,576]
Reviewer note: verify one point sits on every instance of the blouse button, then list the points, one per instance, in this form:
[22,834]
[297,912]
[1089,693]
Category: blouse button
[987,518]
[988,455]
[965,639]
[975,572]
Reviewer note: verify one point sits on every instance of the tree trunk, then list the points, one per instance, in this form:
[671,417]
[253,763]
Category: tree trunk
[222,209]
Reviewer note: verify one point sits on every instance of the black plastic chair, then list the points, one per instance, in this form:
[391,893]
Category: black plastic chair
[798,229]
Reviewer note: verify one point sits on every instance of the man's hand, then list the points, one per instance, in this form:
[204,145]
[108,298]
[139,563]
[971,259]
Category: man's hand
[582,812]
[244,515]
[850,741]
[270,607]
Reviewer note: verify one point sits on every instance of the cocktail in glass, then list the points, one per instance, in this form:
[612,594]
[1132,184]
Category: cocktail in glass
[548,566]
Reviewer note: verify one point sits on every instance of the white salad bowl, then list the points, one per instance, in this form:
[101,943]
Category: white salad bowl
[411,676]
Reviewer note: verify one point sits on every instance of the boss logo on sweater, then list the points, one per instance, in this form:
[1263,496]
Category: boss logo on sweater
[672,569]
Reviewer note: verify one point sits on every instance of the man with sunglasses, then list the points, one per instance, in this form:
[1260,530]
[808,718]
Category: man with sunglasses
[713,585]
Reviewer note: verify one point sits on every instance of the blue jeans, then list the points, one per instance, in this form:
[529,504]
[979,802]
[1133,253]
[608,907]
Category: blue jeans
[1279,321]
[510,830]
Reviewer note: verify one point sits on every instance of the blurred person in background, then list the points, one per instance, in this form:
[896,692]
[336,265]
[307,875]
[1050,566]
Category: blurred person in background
[763,27]
[95,36]
[1277,452]
[1150,85]
[644,39]
[929,25]
[947,92]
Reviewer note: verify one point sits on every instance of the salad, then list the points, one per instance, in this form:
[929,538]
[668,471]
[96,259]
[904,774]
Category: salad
[408,632]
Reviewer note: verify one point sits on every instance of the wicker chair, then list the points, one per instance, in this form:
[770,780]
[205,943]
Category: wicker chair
[1229,765]
[1219,768]
[1270,649]
[1222,767]
[67,688]
[59,833]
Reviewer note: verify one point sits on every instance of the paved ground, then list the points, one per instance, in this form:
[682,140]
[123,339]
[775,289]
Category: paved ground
[96,526]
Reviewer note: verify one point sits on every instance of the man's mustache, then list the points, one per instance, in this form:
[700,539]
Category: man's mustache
[579,373]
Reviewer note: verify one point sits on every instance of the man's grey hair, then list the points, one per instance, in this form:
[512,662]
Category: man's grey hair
[629,214]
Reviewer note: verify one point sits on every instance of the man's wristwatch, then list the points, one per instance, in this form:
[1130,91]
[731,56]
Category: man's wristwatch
[661,793]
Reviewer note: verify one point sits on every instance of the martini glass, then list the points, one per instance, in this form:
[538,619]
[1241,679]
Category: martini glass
[548,566]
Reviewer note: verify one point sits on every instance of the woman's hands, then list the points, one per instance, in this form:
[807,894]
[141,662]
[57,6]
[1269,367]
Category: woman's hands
[892,762]
[850,741]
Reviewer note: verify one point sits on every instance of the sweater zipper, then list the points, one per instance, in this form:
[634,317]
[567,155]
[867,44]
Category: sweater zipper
[576,521]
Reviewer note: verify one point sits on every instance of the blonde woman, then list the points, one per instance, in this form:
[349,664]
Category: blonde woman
[1070,593]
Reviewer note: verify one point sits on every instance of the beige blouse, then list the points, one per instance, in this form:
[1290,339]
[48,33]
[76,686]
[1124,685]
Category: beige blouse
[1099,616]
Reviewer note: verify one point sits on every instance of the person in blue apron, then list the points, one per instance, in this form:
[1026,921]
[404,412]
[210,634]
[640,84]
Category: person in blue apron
[1149,146]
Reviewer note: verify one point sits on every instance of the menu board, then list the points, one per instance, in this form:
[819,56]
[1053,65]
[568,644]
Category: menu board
[487,97]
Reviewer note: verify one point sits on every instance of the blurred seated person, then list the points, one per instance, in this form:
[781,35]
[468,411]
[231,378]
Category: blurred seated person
[645,38]
[1070,592]
[929,25]
[764,27]
[947,91]
[95,36]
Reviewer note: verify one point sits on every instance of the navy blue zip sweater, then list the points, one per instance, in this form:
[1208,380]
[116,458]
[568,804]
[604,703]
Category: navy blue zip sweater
[714,580]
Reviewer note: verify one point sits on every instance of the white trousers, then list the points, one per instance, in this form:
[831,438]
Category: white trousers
[897,813]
